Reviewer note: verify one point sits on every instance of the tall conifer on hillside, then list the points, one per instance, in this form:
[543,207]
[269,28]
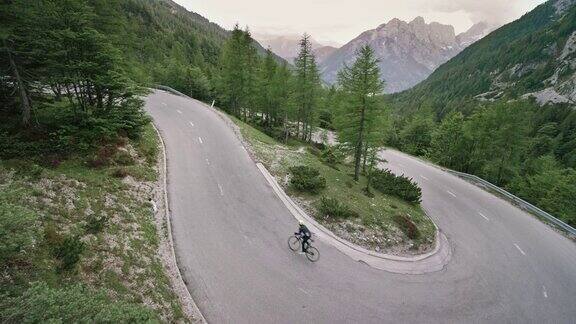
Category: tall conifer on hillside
[362,108]
[306,89]
[239,63]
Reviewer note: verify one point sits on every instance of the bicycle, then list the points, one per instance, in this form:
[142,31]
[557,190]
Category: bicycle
[295,244]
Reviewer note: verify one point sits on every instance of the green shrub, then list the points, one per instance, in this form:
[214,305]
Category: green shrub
[399,186]
[64,130]
[407,226]
[72,304]
[103,156]
[148,145]
[315,151]
[68,251]
[95,224]
[25,168]
[123,158]
[120,173]
[275,132]
[307,179]
[325,119]
[332,156]
[334,208]
[18,231]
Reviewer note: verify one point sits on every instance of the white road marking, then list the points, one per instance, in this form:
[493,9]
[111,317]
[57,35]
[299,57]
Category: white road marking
[164,104]
[221,191]
[207,161]
[451,193]
[178,111]
[519,249]
[200,139]
[544,292]
[423,177]
[192,124]
[486,218]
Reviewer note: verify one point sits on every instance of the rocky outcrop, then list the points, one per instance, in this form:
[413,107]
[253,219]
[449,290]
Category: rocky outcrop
[561,86]
[408,51]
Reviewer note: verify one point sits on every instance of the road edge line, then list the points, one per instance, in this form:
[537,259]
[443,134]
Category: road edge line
[189,302]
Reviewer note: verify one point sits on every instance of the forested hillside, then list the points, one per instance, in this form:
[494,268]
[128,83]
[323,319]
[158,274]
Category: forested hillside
[167,44]
[531,54]
[477,112]
[79,239]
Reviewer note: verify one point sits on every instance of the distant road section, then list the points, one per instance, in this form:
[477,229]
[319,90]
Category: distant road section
[230,232]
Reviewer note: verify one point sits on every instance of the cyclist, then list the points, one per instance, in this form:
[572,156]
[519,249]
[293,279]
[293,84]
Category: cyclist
[305,234]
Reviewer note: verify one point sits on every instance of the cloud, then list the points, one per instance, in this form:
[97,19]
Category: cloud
[494,12]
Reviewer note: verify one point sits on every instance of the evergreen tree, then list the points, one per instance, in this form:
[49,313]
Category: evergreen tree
[232,86]
[449,145]
[306,89]
[499,134]
[361,86]
[251,61]
[238,82]
[266,101]
[281,93]
[416,135]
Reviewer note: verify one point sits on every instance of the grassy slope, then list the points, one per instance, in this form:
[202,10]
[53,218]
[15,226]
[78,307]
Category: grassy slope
[121,257]
[375,213]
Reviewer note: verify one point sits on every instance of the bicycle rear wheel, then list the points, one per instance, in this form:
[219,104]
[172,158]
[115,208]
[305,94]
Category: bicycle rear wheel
[312,254]
[294,243]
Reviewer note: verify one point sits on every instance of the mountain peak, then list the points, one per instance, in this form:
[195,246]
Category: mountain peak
[474,33]
[408,51]
[418,21]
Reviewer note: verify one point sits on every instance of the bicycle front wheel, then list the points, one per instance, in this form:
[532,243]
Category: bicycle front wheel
[312,254]
[294,243]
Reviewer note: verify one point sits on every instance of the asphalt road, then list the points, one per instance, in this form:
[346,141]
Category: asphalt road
[230,232]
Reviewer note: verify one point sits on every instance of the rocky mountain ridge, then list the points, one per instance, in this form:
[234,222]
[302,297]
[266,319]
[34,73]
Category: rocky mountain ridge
[532,57]
[408,51]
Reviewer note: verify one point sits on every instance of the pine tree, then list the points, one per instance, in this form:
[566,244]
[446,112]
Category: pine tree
[449,145]
[238,82]
[250,62]
[282,94]
[361,85]
[266,101]
[306,85]
[232,70]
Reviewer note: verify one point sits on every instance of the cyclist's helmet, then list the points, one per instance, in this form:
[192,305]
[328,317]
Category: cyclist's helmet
[300,222]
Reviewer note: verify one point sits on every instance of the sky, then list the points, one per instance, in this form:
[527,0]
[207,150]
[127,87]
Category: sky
[339,21]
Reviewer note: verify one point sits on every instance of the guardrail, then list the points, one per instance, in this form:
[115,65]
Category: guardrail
[523,204]
[166,88]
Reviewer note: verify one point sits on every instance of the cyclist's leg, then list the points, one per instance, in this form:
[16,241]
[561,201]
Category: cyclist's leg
[305,243]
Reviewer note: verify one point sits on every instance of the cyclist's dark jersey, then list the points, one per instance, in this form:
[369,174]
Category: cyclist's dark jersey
[304,231]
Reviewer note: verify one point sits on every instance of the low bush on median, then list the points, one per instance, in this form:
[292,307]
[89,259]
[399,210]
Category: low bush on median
[307,179]
[399,186]
[407,226]
[335,209]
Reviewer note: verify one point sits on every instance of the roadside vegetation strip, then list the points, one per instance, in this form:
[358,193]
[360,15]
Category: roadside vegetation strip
[372,221]
[85,232]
